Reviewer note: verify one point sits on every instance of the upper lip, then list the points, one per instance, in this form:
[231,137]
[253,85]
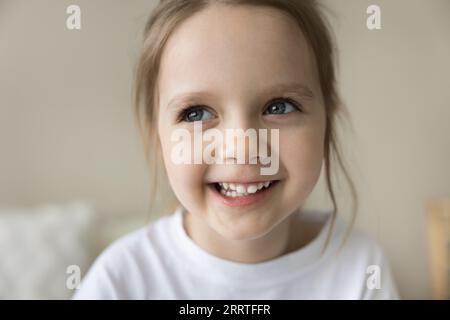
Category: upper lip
[242,181]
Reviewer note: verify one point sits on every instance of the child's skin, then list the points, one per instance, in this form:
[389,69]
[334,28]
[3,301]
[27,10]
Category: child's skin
[235,55]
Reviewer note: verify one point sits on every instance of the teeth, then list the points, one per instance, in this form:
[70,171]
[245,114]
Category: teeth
[239,190]
[252,189]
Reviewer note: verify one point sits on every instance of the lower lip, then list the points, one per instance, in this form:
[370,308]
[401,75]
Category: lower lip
[243,200]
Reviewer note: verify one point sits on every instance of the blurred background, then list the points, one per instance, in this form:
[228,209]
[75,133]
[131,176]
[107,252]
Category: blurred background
[72,170]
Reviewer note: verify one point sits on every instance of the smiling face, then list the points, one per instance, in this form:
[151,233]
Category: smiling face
[241,67]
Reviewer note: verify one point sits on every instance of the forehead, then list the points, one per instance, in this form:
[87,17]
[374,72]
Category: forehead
[235,49]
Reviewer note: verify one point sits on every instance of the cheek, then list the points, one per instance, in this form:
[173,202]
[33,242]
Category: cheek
[186,180]
[301,158]
[187,183]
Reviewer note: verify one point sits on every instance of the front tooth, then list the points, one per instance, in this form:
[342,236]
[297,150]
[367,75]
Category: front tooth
[240,188]
[233,194]
[232,186]
[266,184]
[252,188]
[260,185]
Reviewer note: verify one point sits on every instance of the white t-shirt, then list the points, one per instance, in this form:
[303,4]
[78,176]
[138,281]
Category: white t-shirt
[160,261]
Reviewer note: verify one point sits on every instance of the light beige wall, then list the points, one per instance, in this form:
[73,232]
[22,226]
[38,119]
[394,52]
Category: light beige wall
[66,124]
[396,84]
[67,130]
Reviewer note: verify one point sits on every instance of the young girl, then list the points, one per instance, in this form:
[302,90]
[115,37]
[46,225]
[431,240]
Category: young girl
[239,234]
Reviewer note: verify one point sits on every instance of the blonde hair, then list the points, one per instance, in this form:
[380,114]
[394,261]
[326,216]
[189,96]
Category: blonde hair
[171,13]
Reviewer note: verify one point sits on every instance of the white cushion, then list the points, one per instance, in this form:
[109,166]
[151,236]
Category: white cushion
[38,244]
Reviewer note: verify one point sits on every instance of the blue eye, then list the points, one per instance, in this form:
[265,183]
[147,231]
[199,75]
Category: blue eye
[281,106]
[192,114]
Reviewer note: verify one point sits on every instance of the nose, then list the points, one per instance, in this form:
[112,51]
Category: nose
[242,137]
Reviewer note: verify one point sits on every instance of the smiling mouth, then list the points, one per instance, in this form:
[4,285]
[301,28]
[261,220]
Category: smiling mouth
[236,190]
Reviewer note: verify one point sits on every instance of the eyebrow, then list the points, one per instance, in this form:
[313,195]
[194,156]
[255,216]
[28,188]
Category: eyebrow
[278,89]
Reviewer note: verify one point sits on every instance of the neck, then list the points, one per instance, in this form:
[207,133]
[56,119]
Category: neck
[282,239]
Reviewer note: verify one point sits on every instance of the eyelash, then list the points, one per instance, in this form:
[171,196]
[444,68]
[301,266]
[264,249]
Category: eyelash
[182,114]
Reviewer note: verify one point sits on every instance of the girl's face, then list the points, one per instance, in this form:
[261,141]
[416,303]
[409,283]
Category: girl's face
[243,67]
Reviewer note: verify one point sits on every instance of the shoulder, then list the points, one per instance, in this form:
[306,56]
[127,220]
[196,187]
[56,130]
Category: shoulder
[147,237]
[124,261]
[361,257]
[350,240]
[358,244]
